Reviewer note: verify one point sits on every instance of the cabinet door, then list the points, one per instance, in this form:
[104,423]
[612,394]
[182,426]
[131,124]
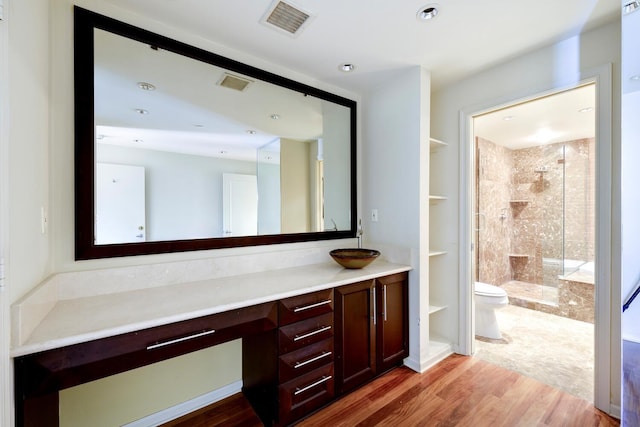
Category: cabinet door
[355,334]
[393,331]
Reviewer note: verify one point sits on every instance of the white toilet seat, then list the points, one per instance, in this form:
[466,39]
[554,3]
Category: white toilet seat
[488,290]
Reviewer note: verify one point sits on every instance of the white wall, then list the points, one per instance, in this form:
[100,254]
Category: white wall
[521,77]
[395,136]
[24,168]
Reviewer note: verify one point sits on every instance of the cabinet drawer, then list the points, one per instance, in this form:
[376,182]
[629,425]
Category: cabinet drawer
[302,307]
[305,360]
[304,333]
[304,394]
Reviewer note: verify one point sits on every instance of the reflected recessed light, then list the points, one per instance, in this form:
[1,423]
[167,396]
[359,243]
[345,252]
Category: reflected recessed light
[508,118]
[100,136]
[585,110]
[138,140]
[635,78]
[146,86]
[630,7]
[141,111]
[428,12]
[251,132]
[223,151]
[198,125]
[275,116]
[347,67]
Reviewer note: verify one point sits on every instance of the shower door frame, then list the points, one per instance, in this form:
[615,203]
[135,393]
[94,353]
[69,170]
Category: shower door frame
[607,283]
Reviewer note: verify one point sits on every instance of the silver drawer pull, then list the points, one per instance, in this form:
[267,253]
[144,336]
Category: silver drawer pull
[310,306]
[177,340]
[320,381]
[313,359]
[312,333]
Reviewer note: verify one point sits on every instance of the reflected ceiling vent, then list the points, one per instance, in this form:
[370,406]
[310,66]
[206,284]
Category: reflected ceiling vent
[234,82]
[283,16]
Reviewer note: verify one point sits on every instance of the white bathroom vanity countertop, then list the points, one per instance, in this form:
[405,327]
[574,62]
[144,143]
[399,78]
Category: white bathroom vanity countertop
[73,321]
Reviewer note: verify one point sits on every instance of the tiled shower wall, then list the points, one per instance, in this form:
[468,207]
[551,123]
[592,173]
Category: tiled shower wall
[528,186]
[493,192]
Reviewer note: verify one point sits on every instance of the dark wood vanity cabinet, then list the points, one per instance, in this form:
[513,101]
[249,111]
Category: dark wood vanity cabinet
[392,330]
[371,329]
[298,353]
[306,354]
[355,335]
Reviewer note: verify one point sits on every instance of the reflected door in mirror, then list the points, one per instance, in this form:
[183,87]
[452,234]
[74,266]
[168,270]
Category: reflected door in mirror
[240,205]
[120,205]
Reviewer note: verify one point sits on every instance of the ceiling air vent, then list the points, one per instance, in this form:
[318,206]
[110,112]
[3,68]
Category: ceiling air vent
[285,17]
[234,82]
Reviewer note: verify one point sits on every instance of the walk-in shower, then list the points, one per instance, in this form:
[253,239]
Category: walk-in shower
[535,224]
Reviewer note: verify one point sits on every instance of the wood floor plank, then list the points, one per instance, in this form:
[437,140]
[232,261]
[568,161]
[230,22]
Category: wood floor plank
[460,391]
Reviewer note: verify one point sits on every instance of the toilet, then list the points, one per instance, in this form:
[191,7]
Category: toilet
[488,299]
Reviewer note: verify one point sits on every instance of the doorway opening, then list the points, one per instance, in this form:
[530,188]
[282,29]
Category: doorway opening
[534,227]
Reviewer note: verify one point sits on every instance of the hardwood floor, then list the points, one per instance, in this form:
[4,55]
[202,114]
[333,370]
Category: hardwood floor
[234,411]
[459,391]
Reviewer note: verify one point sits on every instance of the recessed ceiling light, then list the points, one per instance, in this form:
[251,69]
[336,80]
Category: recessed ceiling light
[428,12]
[141,111]
[508,118]
[585,110]
[347,67]
[251,132]
[630,7]
[146,86]
[275,116]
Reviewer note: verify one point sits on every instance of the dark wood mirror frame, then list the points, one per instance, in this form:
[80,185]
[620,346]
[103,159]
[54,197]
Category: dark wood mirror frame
[84,24]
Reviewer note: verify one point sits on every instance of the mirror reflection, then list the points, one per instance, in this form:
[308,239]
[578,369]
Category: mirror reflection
[185,150]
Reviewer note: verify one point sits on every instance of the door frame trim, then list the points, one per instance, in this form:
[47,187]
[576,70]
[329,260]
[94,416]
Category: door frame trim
[606,286]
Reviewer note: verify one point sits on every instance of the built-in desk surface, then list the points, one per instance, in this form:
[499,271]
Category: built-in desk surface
[85,319]
[82,339]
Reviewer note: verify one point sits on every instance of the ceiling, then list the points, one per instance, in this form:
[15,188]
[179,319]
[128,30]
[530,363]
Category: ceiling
[194,115]
[565,116]
[382,35]
[379,36]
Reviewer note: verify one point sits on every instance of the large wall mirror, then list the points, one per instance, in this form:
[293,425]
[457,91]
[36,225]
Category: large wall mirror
[181,149]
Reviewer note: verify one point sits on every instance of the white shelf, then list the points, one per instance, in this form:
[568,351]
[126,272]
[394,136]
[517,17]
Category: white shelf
[437,253]
[434,144]
[436,308]
[436,199]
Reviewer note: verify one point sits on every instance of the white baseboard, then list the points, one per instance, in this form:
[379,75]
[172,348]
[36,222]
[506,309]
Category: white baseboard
[615,411]
[184,408]
[437,353]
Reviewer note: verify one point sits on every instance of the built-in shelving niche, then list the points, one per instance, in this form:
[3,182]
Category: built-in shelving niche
[439,347]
